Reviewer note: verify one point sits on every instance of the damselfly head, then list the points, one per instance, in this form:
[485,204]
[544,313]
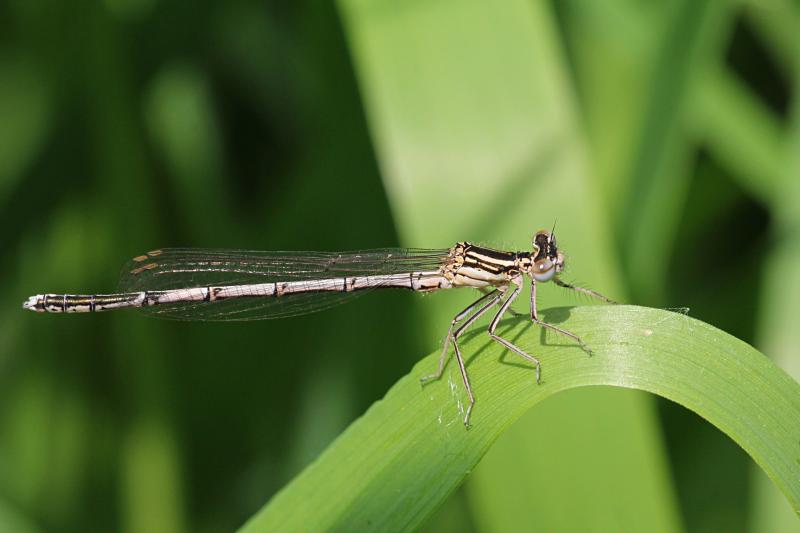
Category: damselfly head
[547,260]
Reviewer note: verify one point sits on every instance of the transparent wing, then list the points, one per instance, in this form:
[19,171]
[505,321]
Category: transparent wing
[182,268]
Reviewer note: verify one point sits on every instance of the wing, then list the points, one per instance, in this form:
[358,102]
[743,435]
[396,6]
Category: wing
[182,268]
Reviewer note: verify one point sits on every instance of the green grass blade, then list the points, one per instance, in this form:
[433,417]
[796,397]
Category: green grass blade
[778,334]
[479,136]
[740,131]
[657,182]
[396,464]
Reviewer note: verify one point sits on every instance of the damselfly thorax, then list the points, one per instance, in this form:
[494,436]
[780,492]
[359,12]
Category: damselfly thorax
[227,285]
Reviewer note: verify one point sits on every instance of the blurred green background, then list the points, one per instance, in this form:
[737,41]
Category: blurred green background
[664,137]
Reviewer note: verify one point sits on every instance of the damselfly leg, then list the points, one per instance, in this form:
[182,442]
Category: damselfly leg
[535,315]
[508,344]
[456,319]
[463,369]
[496,297]
[583,290]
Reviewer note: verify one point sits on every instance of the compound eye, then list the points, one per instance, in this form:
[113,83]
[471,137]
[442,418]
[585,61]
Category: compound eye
[543,270]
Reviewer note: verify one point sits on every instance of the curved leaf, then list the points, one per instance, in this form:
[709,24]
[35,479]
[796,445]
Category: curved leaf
[396,464]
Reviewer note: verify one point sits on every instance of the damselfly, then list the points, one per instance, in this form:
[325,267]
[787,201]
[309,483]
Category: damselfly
[201,284]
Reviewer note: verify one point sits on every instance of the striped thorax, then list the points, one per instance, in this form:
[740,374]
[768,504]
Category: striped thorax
[479,267]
